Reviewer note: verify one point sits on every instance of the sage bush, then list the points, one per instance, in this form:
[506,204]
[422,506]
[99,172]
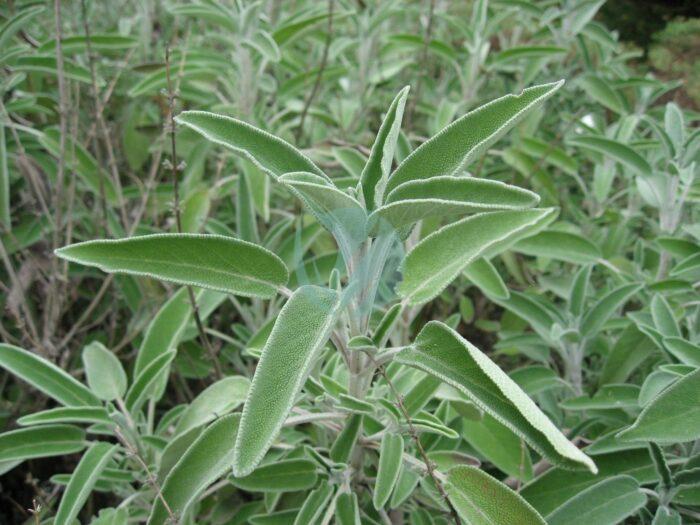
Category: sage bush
[344,262]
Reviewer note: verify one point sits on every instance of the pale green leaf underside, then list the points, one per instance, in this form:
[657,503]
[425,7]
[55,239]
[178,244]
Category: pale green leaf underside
[209,261]
[376,171]
[41,442]
[442,255]
[299,333]
[82,481]
[104,372]
[46,377]
[483,274]
[672,417]
[558,245]
[207,459]
[217,399]
[483,500]
[450,151]
[448,196]
[440,351]
[606,503]
[390,459]
[271,154]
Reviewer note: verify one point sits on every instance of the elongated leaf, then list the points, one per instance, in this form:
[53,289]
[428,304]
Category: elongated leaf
[390,458]
[483,500]
[617,151]
[672,417]
[601,91]
[4,183]
[207,459]
[685,351]
[441,256]
[210,261]
[67,415]
[41,442]
[300,331]
[17,22]
[605,503]
[663,317]
[347,511]
[271,154]
[104,372]
[596,317]
[338,212]
[455,147]
[314,506]
[46,377]
[47,64]
[560,245]
[279,476]
[448,196]
[375,174]
[527,52]
[343,445]
[556,486]
[147,381]
[82,481]
[165,330]
[216,400]
[440,351]
[484,276]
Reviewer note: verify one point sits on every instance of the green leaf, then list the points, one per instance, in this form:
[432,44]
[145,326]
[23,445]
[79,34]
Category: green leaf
[82,481]
[527,52]
[280,476]
[41,442]
[207,459]
[216,400]
[455,147]
[343,445]
[605,503]
[559,245]
[579,290]
[663,317]
[375,174]
[210,261]
[685,351]
[499,445]
[46,377]
[47,64]
[617,151]
[390,458]
[483,274]
[442,352]
[314,506]
[17,22]
[147,381]
[5,220]
[448,196]
[600,312]
[442,255]
[337,211]
[300,332]
[556,486]
[104,372]
[483,500]
[271,154]
[600,90]
[347,512]
[67,415]
[672,417]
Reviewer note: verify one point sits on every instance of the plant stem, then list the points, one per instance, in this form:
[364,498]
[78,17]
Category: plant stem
[178,220]
[430,468]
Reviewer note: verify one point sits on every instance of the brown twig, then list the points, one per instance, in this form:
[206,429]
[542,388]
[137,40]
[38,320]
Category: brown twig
[319,73]
[178,220]
[430,468]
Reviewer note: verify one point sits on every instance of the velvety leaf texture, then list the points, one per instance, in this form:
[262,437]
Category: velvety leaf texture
[207,459]
[300,331]
[271,154]
[441,256]
[450,151]
[40,442]
[483,500]
[390,456]
[210,261]
[441,351]
[46,377]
